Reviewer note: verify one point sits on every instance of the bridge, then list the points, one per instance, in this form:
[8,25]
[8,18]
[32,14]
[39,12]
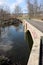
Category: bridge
[36,35]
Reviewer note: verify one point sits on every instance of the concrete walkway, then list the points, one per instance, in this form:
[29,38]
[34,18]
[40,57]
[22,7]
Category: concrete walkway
[38,25]
[37,20]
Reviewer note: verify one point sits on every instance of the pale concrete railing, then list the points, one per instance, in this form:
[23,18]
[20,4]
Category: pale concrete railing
[36,35]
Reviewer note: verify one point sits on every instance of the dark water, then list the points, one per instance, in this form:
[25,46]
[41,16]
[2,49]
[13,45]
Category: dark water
[13,44]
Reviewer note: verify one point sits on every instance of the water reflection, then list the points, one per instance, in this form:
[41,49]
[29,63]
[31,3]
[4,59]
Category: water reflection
[29,39]
[13,44]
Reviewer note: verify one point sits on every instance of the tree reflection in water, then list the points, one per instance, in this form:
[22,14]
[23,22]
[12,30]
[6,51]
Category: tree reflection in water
[5,61]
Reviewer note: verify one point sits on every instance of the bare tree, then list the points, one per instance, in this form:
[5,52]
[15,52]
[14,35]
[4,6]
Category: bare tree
[28,3]
[4,14]
[17,11]
[30,8]
[35,7]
